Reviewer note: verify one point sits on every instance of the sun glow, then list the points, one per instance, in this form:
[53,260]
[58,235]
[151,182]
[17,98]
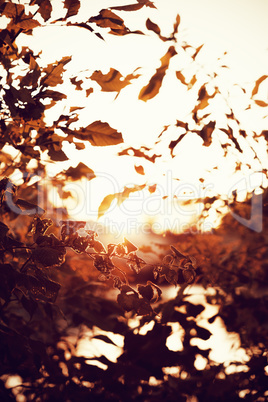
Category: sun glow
[194,171]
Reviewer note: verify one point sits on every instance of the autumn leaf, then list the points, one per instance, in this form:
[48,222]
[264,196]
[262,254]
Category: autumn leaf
[89,91]
[29,208]
[173,144]
[45,9]
[176,25]
[181,77]
[80,171]
[257,84]
[113,80]
[139,169]
[98,134]
[127,191]
[57,154]
[130,7]
[154,85]
[150,291]
[54,72]
[120,197]
[152,188]
[230,134]
[129,246]
[197,51]
[140,153]
[49,256]
[105,204]
[28,23]
[107,19]
[134,7]
[77,83]
[206,133]
[152,26]
[12,10]
[49,93]
[72,7]
[260,103]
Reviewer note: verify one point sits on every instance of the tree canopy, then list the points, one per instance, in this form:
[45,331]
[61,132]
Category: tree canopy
[62,284]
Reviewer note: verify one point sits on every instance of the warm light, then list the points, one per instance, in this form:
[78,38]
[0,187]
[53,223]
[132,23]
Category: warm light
[141,122]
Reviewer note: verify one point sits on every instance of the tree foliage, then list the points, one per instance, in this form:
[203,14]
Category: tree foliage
[57,278]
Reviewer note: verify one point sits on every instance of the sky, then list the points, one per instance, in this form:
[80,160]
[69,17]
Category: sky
[237,27]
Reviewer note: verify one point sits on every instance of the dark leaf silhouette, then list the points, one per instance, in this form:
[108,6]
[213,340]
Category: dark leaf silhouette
[152,89]
[48,256]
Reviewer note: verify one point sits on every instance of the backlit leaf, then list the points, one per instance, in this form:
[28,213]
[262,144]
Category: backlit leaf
[139,169]
[152,26]
[54,72]
[206,133]
[72,7]
[98,134]
[260,103]
[12,10]
[113,80]
[57,155]
[107,19]
[154,85]
[105,204]
[129,246]
[80,171]
[45,9]
[77,83]
[197,51]
[181,77]
[130,7]
[257,84]
[140,153]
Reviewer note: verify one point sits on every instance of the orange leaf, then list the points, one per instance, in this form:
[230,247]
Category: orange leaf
[98,134]
[72,7]
[139,169]
[154,85]
[257,84]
